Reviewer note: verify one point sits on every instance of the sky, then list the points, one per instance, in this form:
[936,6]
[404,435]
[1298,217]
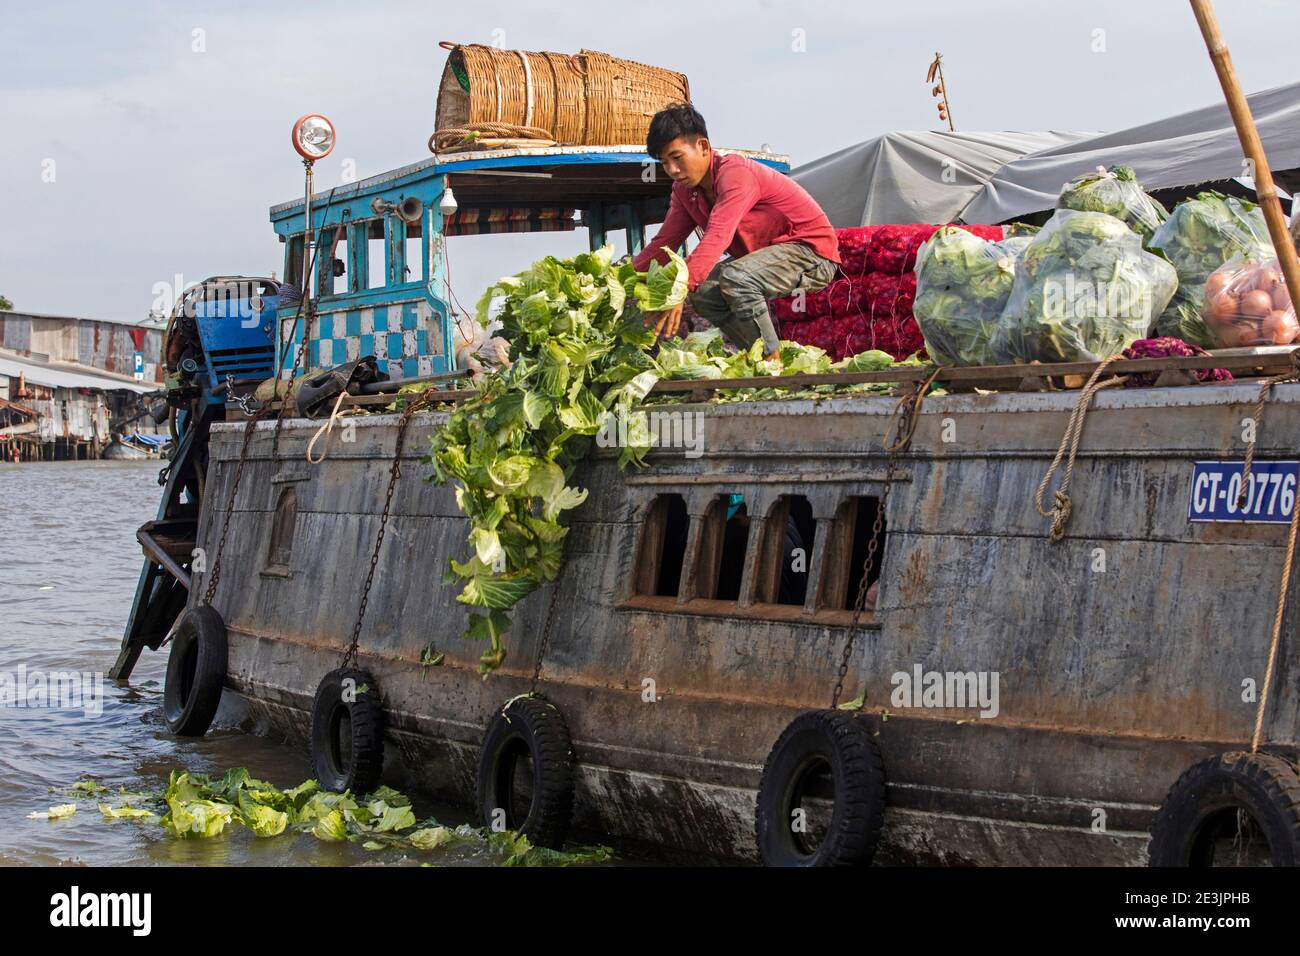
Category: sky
[142,143]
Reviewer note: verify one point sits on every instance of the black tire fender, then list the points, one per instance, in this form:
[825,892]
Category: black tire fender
[813,742]
[1264,786]
[534,728]
[196,672]
[347,732]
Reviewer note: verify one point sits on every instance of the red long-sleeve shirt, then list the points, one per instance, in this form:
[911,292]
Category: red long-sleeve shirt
[755,207]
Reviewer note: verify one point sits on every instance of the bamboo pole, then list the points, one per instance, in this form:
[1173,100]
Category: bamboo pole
[1250,144]
[1286,254]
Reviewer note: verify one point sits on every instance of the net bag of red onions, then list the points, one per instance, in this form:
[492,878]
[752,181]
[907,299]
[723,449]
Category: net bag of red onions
[1247,304]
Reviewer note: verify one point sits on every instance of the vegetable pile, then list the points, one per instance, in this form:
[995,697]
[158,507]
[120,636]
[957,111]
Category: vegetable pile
[1248,304]
[199,806]
[1201,235]
[1114,191]
[870,306]
[513,447]
[577,359]
[963,283]
[1084,290]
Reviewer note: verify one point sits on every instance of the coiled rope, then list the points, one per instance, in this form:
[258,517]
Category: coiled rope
[1062,505]
[455,137]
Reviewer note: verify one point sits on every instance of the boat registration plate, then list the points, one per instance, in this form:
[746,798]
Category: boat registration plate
[1216,486]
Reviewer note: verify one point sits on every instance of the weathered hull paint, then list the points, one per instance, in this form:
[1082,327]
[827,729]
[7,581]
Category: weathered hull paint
[1111,682]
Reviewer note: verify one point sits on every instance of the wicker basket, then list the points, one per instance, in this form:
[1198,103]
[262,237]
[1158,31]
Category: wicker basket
[588,99]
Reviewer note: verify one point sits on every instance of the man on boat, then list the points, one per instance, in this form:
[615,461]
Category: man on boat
[779,239]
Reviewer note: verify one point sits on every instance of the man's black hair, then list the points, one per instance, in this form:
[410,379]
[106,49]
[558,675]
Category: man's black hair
[676,119]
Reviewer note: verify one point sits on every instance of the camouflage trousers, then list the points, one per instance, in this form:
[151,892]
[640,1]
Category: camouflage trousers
[734,296]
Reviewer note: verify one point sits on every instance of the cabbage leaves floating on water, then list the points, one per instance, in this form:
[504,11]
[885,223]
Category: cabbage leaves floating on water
[198,806]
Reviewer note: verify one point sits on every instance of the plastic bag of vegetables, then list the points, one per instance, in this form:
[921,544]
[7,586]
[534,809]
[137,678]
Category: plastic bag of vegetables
[1084,289]
[1115,191]
[1248,304]
[962,285]
[1201,235]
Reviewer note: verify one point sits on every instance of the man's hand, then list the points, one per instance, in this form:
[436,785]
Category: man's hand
[667,322]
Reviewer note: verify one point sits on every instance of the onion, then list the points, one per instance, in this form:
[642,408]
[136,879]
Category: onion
[1227,335]
[1215,284]
[1281,327]
[1257,304]
[1222,308]
[1281,297]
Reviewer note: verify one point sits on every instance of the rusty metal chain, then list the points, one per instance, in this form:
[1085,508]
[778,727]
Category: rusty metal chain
[864,585]
[546,633]
[903,425]
[215,576]
[350,656]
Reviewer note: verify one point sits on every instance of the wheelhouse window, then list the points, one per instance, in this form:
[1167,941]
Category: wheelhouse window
[333,261]
[663,547]
[376,255]
[414,267]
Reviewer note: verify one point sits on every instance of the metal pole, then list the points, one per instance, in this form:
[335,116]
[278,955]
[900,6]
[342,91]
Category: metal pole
[307,232]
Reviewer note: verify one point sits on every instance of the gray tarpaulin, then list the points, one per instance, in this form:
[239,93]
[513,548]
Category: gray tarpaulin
[915,177]
[1196,147]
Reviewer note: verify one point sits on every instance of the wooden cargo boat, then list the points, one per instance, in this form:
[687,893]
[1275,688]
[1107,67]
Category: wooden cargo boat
[1120,653]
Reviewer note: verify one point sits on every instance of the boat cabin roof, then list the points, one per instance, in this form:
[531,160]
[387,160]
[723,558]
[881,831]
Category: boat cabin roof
[573,177]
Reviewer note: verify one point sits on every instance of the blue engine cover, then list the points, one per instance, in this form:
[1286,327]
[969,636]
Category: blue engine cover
[237,338]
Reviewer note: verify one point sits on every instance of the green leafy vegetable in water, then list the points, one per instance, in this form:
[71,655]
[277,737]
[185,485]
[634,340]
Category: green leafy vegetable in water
[1084,289]
[330,827]
[962,285]
[54,813]
[126,812]
[199,806]
[1201,235]
[197,818]
[1114,191]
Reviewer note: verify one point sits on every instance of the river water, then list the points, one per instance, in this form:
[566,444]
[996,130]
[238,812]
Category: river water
[69,563]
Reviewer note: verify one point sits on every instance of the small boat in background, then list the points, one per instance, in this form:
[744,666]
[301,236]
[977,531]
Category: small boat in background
[136,447]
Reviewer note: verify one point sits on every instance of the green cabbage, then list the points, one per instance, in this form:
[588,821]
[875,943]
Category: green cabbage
[1084,289]
[1114,191]
[962,286]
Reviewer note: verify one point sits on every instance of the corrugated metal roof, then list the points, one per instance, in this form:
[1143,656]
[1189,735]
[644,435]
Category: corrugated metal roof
[151,324]
[66,376]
